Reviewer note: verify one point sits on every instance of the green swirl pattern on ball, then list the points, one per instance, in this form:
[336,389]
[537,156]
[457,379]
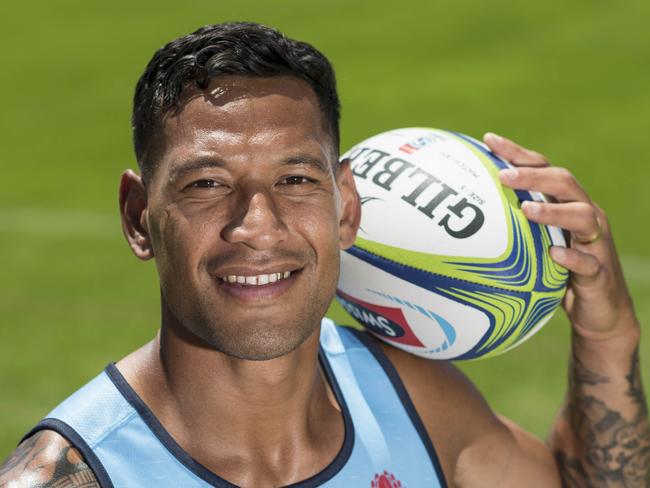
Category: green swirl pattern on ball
[515,269]
[505,310]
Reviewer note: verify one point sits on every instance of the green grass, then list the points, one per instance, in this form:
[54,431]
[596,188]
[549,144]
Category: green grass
[567,78]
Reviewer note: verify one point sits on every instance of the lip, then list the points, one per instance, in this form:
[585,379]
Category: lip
[256,293]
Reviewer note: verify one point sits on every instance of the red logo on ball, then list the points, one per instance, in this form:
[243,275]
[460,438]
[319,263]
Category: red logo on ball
[385,480]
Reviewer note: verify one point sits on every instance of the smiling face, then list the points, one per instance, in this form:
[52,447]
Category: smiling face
[245,214]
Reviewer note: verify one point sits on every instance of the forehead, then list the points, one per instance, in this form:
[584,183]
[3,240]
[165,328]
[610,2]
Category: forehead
[238,117]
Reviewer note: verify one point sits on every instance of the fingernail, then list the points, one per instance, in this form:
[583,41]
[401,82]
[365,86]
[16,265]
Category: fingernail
[557,252]
[509,174]
[531,208]
[492,137]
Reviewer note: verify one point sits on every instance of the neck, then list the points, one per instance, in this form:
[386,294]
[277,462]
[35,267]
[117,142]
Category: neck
[260,397]
[231,412]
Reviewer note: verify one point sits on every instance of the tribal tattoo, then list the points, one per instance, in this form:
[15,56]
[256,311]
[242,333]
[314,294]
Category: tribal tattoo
[616,445]
[44,462]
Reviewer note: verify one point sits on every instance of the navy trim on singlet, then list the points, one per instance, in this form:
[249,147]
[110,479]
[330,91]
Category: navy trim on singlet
[210,477]
[78,443]
[343,456]
[159,431]
[392,374]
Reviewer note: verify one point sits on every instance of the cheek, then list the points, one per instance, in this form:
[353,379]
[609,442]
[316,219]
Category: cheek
[319,225]
[178,240]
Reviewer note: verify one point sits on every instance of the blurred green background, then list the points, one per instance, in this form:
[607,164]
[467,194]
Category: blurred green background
[569,78]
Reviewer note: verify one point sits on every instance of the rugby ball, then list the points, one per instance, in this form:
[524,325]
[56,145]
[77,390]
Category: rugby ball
[445,265]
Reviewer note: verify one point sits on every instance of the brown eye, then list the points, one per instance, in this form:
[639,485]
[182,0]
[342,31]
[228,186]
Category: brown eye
[296,180]
[206,188]
[204,184]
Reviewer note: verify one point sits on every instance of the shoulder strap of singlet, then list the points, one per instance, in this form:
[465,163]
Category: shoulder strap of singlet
[83,425]
[385,419]
[122,441]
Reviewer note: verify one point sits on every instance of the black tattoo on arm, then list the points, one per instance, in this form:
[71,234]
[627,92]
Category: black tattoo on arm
[612,448]
[636,388]
[46,460]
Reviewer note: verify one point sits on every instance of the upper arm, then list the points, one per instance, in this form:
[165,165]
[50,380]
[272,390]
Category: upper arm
[508,456]
[46,459]
[475,447]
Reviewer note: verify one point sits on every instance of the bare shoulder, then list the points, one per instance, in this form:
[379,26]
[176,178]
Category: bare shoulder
[450,407]
[46,460]
[475,446]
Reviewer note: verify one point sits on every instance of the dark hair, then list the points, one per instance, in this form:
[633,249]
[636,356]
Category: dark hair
[238,48]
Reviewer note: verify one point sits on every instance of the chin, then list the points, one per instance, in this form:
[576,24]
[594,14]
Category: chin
[262,342]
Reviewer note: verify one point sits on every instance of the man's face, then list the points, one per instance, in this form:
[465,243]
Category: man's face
[245,215]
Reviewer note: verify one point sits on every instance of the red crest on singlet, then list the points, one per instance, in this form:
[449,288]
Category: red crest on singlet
[385,480]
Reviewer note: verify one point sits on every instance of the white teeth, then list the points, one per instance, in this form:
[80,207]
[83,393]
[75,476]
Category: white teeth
[256,280]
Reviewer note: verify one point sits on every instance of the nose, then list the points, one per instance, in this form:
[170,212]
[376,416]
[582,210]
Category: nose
[258,226]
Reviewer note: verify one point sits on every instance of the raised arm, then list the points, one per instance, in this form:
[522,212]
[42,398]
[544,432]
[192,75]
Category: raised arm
[602,435]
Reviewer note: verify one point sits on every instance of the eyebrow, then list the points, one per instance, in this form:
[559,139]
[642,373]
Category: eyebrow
[195,164]
[306,160]
[209,162]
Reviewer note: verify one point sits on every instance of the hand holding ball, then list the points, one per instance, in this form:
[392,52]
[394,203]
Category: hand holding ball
[445,266]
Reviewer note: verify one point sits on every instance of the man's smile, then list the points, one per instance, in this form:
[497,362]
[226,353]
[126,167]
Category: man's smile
[252,285]
[260,279]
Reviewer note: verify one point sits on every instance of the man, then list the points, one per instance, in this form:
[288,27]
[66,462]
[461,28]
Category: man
[245,208]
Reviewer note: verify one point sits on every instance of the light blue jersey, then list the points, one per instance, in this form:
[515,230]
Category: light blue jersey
[385,444]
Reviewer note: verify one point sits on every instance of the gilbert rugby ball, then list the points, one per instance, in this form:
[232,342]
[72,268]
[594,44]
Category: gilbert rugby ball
[445,265]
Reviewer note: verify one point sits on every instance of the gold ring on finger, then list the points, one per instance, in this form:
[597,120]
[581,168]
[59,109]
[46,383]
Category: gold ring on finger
[595,237]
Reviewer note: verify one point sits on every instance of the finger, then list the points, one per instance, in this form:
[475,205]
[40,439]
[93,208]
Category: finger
[558,183]
[513,152]
[585,267]
[579,218]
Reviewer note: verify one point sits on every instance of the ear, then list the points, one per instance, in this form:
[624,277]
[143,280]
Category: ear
[350,205]
[133,212]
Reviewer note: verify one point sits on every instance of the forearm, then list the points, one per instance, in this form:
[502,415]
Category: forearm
[602,436]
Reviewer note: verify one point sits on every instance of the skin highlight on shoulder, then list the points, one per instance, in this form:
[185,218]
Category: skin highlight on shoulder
[474,445]
[451,409]
[46,460]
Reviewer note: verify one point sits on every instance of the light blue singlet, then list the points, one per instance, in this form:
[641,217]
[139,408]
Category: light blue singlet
[385,443]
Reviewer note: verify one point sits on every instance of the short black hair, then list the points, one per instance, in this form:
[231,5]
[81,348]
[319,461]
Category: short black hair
[234,48]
